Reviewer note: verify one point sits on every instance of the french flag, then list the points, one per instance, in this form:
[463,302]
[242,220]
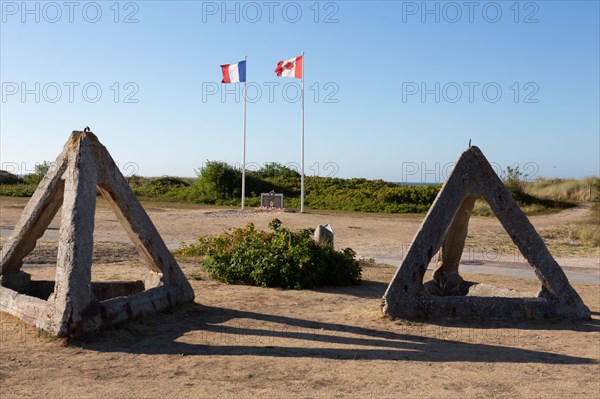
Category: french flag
[291,68]
[233,73]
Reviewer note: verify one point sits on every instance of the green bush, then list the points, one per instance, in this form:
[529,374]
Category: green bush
[274,169]
[280,258]
[9,178]
[40,171]
[170,181]
[219,181]
[513,181]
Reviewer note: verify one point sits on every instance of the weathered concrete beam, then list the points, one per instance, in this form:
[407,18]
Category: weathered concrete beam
[36,217]
[73,289]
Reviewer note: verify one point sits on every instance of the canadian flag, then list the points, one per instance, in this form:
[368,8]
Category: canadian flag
[291,68]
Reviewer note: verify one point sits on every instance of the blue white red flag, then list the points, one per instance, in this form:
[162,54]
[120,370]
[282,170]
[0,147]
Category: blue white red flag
[233,73]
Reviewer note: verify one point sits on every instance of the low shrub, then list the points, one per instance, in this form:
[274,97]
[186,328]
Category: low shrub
[279,258]
[17,190]
[588,235]
[482,208]
[9,178]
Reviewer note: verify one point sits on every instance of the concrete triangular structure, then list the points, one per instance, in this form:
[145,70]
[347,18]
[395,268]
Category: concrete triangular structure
[473,176]
[74,304]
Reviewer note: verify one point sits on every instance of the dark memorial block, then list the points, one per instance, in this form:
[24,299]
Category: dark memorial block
[271,200]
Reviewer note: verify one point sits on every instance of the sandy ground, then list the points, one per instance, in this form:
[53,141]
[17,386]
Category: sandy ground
[239,341]
[384,238]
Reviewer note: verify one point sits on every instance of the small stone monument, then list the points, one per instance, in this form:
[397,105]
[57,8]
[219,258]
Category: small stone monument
[446,226]
[73,304]
[324,234]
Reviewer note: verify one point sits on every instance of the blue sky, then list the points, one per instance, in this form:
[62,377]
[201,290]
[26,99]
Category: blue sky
[393,90]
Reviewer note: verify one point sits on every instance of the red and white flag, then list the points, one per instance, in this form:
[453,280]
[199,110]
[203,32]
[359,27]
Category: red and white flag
[291,68]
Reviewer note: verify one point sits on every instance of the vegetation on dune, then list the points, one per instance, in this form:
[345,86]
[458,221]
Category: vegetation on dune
[16,186]
[166,188]
[583,190]
[17,190]
[587,235]
[218,183]
[543,195]
[279,258]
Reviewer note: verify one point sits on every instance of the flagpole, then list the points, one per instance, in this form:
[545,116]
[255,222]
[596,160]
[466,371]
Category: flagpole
[302,140]
[244,146]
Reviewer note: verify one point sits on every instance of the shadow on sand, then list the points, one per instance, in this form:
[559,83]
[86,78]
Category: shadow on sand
[213,331]
[366,289]
[376,290]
